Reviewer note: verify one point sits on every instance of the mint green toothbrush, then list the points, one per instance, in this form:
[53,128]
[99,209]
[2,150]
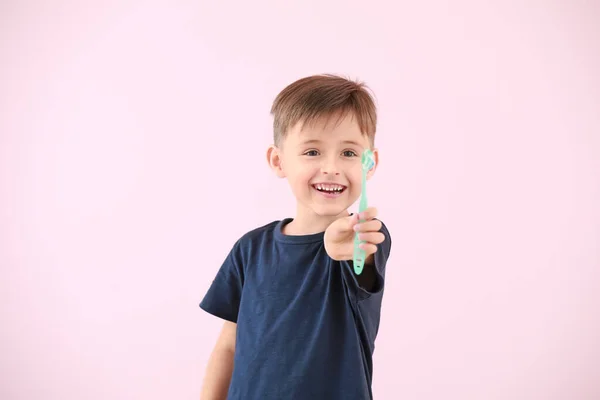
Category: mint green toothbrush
[367,160]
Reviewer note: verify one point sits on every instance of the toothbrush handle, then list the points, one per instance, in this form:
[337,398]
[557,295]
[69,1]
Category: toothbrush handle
[359,254]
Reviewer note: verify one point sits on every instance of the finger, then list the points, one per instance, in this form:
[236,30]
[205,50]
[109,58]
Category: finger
[372,237]
[368,214]
[348,223]
[368,248]
[369,226]
[353,220]
[343,225]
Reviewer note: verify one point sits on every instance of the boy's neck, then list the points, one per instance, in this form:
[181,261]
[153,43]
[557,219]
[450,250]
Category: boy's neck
[306,222]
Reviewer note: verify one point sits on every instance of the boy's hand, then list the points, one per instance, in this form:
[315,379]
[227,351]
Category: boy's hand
[339,236]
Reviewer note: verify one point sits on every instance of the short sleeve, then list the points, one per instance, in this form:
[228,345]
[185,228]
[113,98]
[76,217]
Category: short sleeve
[223,296]
[383,253]
[380,260]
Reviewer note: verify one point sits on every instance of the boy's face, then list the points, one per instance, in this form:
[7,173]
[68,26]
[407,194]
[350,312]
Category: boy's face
[322,163]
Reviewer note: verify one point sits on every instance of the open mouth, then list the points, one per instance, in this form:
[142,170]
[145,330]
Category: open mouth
[329,189]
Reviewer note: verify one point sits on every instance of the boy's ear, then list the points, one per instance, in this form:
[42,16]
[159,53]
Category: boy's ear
[274,160]
[376,157]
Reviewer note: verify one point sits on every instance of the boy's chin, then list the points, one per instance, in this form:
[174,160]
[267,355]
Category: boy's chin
[330,211]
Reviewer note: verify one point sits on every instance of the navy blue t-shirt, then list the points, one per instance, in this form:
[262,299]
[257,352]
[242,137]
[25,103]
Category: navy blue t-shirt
[305,327]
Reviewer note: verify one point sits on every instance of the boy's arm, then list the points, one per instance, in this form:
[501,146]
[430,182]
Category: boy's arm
[220,365]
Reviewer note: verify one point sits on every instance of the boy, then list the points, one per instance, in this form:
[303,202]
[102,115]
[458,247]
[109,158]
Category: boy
[299,323]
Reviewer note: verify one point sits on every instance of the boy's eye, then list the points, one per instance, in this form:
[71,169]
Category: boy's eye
[349,153]
[311,153]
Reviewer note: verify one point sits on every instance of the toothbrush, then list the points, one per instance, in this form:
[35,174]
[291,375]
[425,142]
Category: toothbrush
[367,162]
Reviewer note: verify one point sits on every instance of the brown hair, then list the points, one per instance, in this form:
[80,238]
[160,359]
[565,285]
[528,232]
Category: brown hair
[310,98]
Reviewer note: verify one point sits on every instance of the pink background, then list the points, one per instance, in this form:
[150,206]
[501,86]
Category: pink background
[132,156]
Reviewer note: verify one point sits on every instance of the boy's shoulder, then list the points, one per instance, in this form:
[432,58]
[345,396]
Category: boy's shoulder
[255,243]
[266,229]
[256,236]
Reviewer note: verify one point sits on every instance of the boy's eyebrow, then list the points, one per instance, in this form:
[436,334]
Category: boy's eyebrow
[310,141]
[316,141]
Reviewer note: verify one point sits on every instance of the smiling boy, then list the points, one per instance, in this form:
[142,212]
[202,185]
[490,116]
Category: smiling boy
[299,323]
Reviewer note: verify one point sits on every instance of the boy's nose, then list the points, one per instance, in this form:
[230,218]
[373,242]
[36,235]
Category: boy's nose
[330,168]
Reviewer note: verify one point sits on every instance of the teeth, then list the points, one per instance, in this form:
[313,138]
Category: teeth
[329,188]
